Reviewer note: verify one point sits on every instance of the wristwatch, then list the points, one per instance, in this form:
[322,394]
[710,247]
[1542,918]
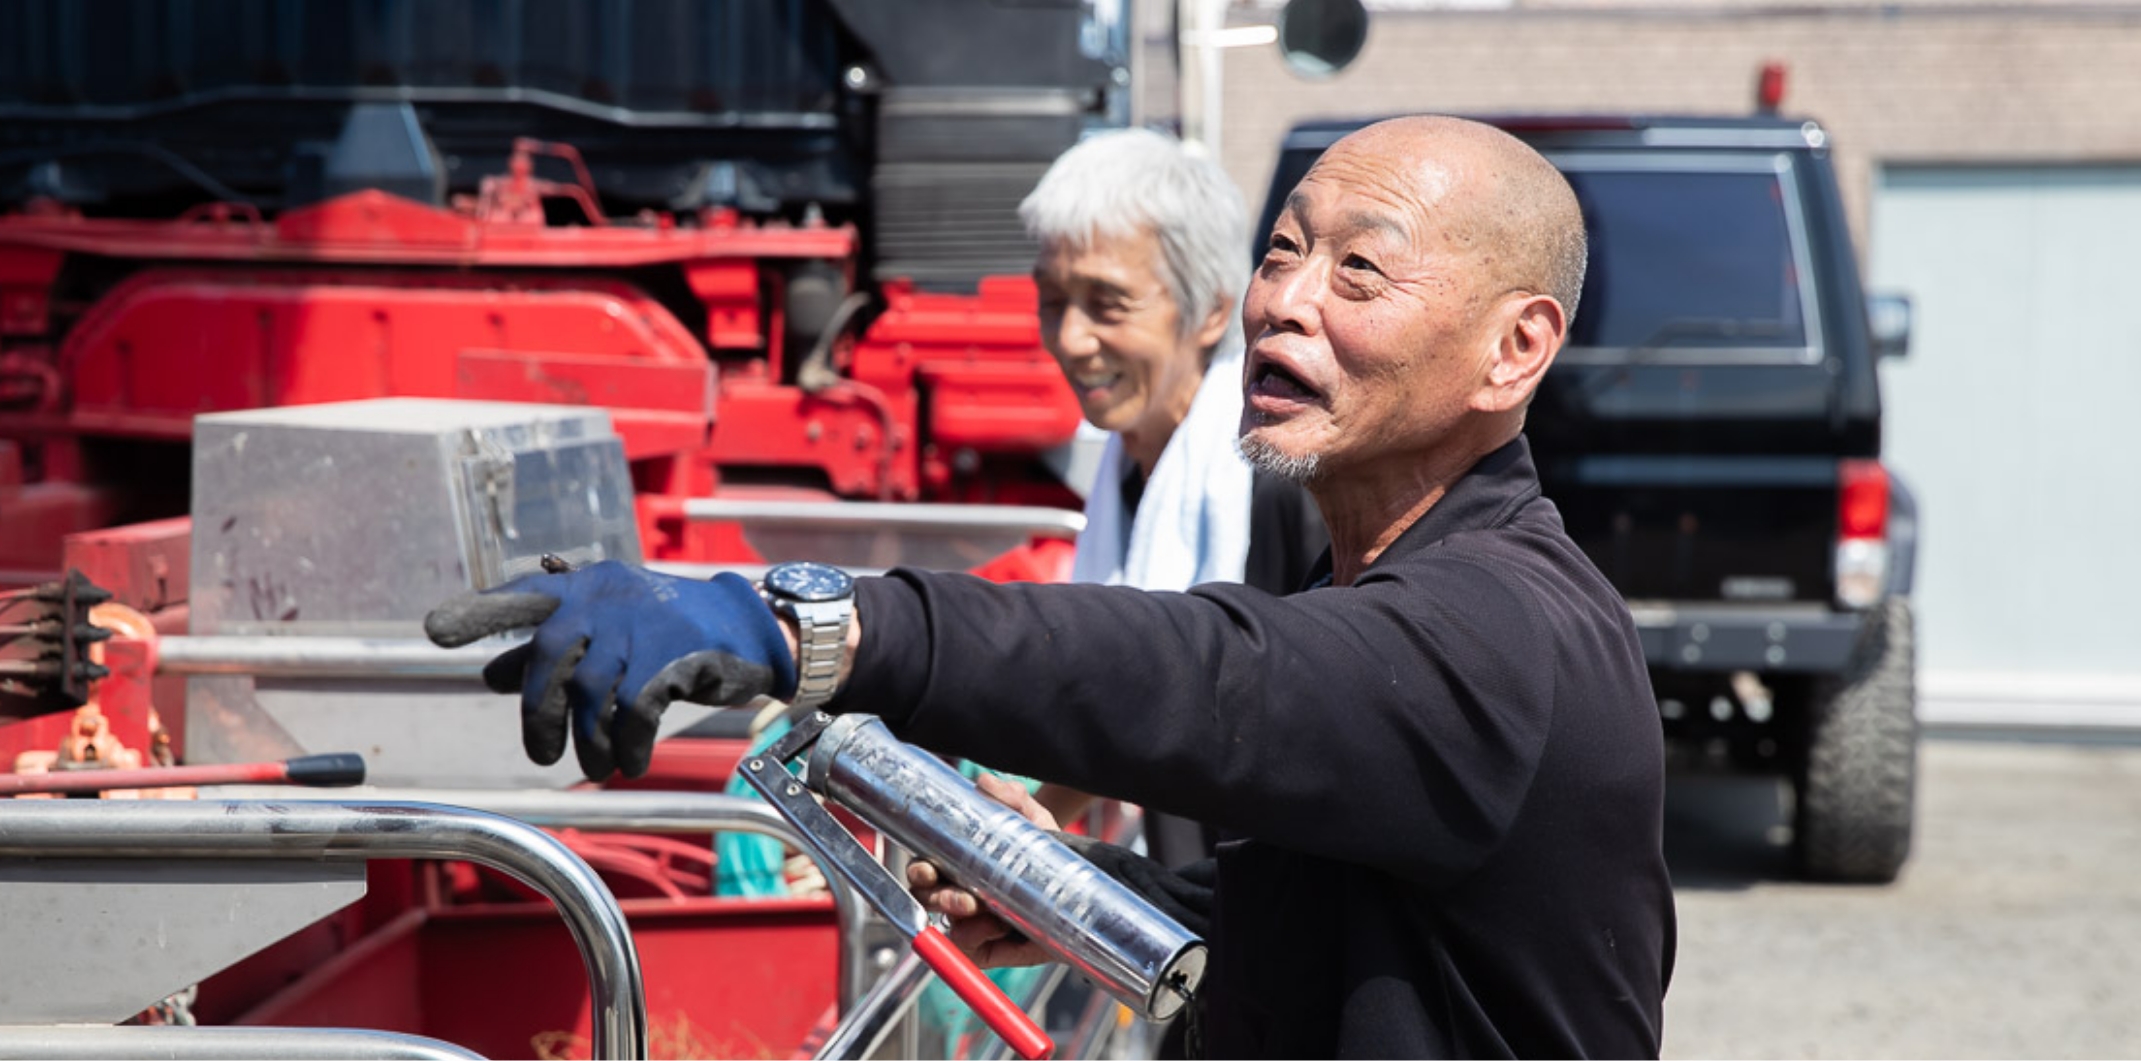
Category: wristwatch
[821,600]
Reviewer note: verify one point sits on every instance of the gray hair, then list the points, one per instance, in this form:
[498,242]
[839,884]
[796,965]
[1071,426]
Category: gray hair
[1118,183]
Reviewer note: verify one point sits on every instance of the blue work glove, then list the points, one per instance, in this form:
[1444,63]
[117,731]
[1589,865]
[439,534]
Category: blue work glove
[613,645]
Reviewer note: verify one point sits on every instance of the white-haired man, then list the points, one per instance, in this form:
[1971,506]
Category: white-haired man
[1140,275]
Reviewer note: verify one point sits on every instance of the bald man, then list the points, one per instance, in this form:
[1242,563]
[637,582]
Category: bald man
[1440,767]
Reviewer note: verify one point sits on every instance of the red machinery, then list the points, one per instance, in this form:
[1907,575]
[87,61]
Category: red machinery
[942,396]
[786,264]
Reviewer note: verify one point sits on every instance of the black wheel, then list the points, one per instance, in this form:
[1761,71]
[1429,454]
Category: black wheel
[1857,763]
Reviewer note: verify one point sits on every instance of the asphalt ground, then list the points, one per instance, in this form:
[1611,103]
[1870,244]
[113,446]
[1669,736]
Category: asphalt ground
[2013,932]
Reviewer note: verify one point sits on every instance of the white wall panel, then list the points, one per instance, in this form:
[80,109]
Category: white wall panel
[2017,421]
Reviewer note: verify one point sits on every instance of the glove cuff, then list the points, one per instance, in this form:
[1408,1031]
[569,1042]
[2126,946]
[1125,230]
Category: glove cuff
[738,597]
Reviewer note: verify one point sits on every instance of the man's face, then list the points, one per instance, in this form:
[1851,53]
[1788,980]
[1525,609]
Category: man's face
[1364,319]
[1111,324]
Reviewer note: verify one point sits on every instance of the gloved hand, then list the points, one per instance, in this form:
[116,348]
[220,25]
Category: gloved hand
[613,645]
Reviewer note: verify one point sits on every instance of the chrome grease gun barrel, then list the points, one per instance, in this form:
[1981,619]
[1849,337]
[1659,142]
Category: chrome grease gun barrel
[1029,878]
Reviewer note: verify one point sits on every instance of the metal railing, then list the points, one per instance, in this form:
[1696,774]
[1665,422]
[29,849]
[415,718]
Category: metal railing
[865,1027]
[686,813]
[324,657]
[80,1042]
[337,831]
[892,516]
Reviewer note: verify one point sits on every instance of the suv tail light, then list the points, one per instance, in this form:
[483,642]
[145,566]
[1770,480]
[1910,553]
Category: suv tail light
[1861,533]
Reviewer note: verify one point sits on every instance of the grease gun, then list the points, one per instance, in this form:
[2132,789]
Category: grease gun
[1056,898]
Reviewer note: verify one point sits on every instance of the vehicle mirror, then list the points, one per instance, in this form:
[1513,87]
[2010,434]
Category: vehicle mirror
[1888,322]
[1321,37]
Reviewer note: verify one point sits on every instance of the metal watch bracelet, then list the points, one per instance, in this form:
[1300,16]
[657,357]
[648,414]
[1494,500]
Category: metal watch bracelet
[821,645]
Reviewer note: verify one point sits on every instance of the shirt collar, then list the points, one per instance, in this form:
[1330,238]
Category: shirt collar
[1486,496]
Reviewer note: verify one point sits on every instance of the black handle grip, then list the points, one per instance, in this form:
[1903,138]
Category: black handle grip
[334,770]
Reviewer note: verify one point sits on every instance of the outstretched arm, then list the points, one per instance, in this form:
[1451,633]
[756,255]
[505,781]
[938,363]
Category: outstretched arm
[1396,723]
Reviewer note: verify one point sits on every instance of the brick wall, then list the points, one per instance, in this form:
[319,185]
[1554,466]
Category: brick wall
[1911,82]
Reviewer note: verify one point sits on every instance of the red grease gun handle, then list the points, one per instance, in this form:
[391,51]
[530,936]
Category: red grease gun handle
[988,1000]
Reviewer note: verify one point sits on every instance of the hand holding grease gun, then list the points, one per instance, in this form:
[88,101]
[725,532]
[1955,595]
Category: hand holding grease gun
[614,644]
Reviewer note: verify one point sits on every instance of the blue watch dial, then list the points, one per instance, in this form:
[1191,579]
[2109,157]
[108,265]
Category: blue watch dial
[809,582]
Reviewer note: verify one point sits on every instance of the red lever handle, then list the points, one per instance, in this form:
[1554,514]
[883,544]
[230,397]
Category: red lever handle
[988,1000]
[324,771]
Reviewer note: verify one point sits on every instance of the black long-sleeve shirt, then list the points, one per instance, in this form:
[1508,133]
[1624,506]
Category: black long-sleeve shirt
[1449,773]
[1286,537]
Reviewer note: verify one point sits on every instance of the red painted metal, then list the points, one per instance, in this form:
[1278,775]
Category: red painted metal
[26,276]
[676,325]
[517,197]
[115,731]
[37,516]
[1041,560]
[143,565]
[978,358]
[860,440]
[236,311]
[40,734]
[29,378]
[724,978]
[124,694]
[659,409]
[166,345]
[638,866]
[729,290]
[687,764]
[371,227]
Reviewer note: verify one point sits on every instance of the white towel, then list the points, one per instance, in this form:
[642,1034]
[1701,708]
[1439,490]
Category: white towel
[1192,523]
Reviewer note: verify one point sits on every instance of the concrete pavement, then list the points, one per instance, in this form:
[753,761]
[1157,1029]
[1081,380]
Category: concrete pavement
[2015,931]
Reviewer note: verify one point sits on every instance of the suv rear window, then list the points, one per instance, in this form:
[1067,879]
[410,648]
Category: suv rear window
[1687,260]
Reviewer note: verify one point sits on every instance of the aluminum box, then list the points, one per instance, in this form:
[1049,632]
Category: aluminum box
[356,518]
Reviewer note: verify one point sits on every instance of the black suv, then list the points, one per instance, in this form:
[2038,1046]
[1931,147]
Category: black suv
[1712,435]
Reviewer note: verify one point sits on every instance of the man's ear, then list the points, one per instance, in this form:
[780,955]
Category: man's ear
[1529,331]
[1213,327]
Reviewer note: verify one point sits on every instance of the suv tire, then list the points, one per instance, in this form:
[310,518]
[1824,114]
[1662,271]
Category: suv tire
[1857,771]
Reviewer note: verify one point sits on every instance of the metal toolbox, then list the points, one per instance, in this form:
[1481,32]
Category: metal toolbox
[370,512]
[353,519]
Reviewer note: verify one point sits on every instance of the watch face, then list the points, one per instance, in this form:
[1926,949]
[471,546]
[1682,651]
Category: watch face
[809,582]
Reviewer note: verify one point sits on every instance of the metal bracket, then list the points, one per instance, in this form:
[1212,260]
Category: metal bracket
[800,736]
[487,485]
[827,839]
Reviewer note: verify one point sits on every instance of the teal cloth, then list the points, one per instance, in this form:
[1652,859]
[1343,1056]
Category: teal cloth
[748,865]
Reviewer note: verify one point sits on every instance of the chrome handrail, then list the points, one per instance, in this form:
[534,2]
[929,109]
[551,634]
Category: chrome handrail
[93,1042]
[863,1029]
[672,813]
[341,831]
[896,516]
[323,657]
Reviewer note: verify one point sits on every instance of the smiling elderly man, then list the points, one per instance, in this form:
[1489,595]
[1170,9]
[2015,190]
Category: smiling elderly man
[1442,768]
